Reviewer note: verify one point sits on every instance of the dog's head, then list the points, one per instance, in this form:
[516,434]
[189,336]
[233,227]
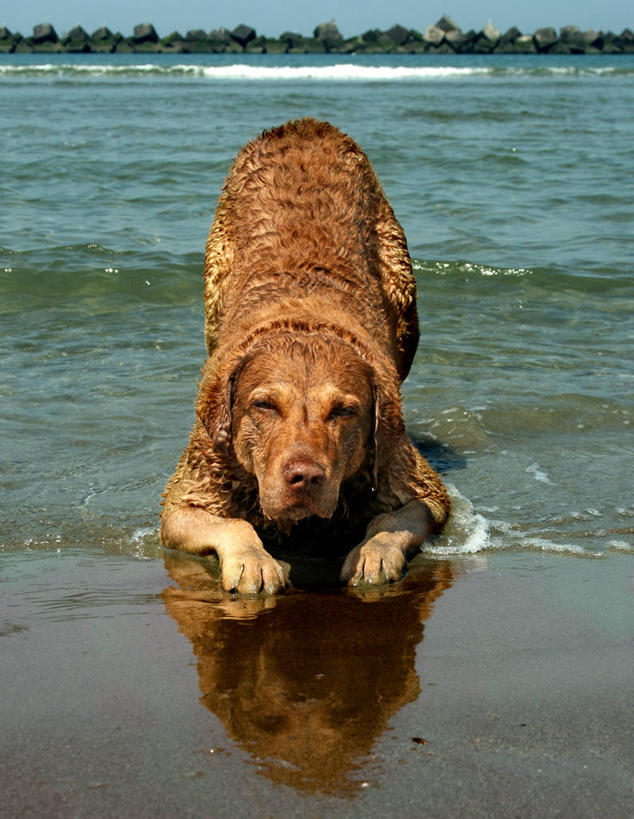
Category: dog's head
[302,415]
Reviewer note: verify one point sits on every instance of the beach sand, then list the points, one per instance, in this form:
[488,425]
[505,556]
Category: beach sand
[497,685]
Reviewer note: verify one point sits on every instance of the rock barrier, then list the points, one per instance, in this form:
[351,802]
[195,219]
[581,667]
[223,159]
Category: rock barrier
[444,37]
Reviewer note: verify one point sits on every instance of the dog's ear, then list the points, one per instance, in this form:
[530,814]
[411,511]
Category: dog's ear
[388,425]
[215,402]
[375,461]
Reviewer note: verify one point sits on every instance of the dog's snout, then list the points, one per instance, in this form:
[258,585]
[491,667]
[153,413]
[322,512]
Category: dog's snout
[303,474]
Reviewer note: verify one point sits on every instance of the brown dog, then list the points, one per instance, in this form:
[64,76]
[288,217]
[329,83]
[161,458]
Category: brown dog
[311,326]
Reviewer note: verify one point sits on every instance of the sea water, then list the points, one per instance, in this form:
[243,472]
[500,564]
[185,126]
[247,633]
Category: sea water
[512,177]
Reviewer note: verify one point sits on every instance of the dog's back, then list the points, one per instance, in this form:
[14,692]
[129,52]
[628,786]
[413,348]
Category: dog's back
[303,225]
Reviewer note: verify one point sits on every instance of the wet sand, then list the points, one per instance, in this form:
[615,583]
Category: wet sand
[494,686]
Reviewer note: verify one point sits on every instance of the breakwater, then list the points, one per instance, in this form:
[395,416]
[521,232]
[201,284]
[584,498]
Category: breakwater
[444,37]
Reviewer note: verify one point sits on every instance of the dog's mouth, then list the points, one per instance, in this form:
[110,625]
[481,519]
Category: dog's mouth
[289,508]
[290,516]
[304,508]
[298,508]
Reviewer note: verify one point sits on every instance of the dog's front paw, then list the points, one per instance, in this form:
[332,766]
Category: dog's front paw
[252,571]
[373,563]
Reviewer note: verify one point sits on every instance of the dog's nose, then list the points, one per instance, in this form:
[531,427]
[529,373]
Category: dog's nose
[303,474]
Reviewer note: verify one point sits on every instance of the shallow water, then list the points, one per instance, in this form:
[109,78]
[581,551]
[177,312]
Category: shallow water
[481,686]
[516,198]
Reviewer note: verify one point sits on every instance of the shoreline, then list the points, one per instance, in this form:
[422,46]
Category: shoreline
[134,686]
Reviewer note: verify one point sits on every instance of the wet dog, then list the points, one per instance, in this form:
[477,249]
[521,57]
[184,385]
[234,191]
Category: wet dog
[311,326]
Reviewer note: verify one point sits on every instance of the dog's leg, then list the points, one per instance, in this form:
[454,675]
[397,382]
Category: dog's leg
[244,563]
[389,539]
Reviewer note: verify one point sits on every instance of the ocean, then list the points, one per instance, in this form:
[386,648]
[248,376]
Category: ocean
[512,179]
[131,684]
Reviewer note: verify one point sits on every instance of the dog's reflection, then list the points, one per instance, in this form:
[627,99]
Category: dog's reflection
[305,682]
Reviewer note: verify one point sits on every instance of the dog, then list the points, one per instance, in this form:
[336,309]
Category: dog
[311,327]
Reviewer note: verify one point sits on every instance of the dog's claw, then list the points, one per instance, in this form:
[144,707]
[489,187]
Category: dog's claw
[373,564]
[252,573]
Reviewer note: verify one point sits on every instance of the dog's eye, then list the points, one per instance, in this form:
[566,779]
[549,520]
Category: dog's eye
[264,405]
[342,412]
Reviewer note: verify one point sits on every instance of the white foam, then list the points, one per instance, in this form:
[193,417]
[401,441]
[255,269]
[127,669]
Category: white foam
[145,541]
[342,72]
[539,474]
[241,71]
[446,268]
[545,545]
[468,532]
[143,532]
[465,533]
[620,546]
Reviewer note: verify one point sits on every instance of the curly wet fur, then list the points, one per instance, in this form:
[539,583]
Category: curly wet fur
[305,249]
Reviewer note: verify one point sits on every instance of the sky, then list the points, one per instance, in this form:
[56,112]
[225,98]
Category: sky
[273,17]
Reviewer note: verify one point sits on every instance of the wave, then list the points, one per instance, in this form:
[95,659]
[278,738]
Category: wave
[44,272]
[464,269]
[339,72]
[601,280]
[91,271]
[468,532]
